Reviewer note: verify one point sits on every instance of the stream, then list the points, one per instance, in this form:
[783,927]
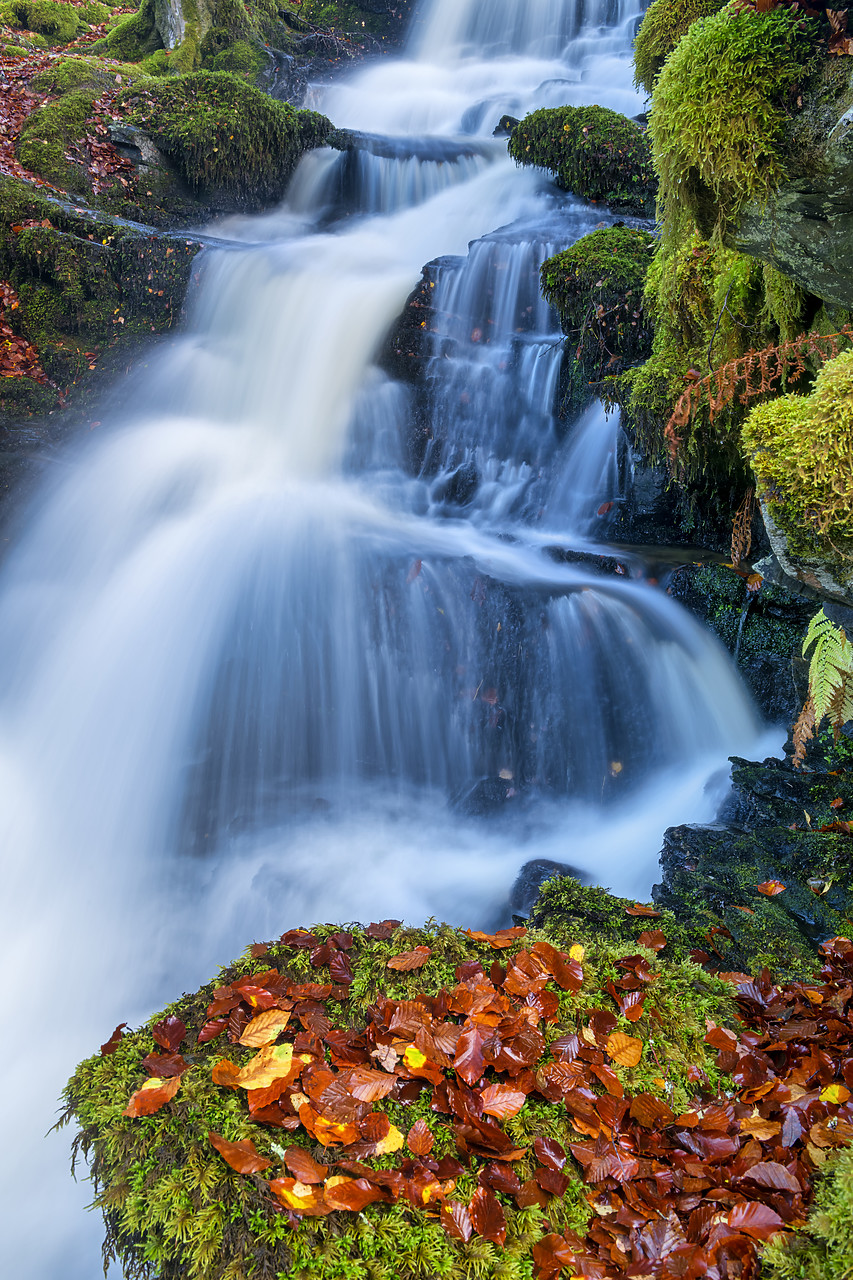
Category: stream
[289,641]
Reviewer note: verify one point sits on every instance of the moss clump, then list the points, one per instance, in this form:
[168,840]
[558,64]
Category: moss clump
[597,287]
[173,1208]
[718,111]
[68,74]
[593,152]
[225,135]
[134,36]
[663,25]
[801,449]
[49,132]
[823,1248]
[60,22]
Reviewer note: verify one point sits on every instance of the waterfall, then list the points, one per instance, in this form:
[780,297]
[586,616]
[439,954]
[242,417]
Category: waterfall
[289,640]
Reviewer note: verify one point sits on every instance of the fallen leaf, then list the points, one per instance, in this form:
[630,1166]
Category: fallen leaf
[625,1050]
[241,1156]
[770,888]
[409,960]
[265,1028]
[304,1167]
[420,1141]
[153,1095]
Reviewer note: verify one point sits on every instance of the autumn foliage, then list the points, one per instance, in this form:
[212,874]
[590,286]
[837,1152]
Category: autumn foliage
[688,1195]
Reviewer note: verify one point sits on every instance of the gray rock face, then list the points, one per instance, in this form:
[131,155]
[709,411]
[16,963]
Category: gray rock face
[170,22]
[806,229]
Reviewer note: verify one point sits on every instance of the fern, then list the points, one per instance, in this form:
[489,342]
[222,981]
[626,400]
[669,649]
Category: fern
[830,682]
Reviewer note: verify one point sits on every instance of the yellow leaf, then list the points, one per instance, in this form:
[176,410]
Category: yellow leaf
[626,1050]
[392,1141]
[274,1062]
[413,1057]
[265,1028]
[576,952]
[834,1093]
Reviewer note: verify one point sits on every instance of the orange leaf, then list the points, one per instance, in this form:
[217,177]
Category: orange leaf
[227,1073]
[328,1132]
[153,1095]
[408,960]
[770,888]
[274,1062]
[502,1100]
[503,937]
[420,1141]
[304,1167]
[300,1197]
[626,1050]
[655,941]
[351,1194]
[265,1028]
[639,910]
[241,1156]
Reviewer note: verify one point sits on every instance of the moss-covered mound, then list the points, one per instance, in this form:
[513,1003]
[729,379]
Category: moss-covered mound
[801,450]
[57,21]
[823,1249]
[174,1207]
[225,135]
[663,25]
[597,287]
[718,111]
[593,152]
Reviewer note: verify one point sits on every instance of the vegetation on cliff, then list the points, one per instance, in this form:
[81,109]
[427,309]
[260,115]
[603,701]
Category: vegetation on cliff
[663,25]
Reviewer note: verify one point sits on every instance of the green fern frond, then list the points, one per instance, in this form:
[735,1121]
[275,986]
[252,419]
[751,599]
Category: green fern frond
[831,663]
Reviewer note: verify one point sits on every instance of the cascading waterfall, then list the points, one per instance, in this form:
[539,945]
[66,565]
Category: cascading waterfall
[281,642]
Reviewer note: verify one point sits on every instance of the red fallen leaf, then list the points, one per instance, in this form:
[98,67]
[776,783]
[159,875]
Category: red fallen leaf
[299,938]
[567,973]
[550,1255]
[211,1029]
[241,1156]
[340,969]
[169,1033]
[757,1220]
[551,1181]
[456,1220]
[502,1100]
[487,1216]
[114,1041]
[321,955]
[532,1196]
[258,949]
[165,1065]
[500,1178]
[604,508]
[420,1141]
[226,1073]
[503,937]
[770,888]
[300,1197]
[842,828]
[771,1174]
[837,803]
[367,1085]
[153,1095]
[655,941]
[649,1111]
[304,1167]
[352,1194]
[720,1038]
[409,960]
[631,1004]
[566,1048]
[639,910]
[383,931]
[550,1153]
[468,1061]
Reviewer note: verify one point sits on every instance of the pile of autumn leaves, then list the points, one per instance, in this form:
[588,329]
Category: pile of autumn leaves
[674,1196]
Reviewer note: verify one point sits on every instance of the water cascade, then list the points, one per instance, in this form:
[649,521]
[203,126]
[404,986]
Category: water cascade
[283,641]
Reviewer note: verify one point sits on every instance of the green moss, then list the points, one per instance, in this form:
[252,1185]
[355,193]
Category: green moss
[173,1208]
[718,111]
[241,58]
[663,25]
[94,13]
[801,449]
[593,152]
[225,135]
[67,74]
[48,17]
[134,36]
[823,1248]
[47,135]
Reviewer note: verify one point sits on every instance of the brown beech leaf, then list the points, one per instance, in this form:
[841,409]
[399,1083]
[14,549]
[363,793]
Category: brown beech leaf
[241,1156]
[503,937]
[369,1086]
[114,1041]
[770,1174]
[469,1062]
[487,1216]
[299,938]
[456,1220]
[550,1255]
[169,1033]
[273,1062]
[550,1153]
[625,1050]
[500,1178]
[770,888]
[757,1220]
[655,940]
[409,960]
[567,973]
[352,1194]
[502,1100]
[153,1095]
[300,1197]
[164,1065]
[304,1167]
[226,1073]
[650,1111]
[639,910]
[420,1141]
[383,931]
[211,1029]
[265,1028]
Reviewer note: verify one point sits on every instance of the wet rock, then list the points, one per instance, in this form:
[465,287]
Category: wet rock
[531,877]
[505,126]
[485,797]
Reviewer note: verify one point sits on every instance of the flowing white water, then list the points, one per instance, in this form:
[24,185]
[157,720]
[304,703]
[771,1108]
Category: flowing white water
[283,643]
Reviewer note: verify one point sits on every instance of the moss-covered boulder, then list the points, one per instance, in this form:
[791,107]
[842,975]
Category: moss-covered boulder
[593,152]
[823,1248]
[801,450]
[597,288]
[57,21]
[663,25]
[229,141]
[385,1010]
[718,111]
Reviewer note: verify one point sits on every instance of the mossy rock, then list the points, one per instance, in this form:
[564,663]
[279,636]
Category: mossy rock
[719,109]
[597,288]
[801,450]
[51,18]
[50,131]
[593,152]
[225,136]
[173,1208]
[663,25]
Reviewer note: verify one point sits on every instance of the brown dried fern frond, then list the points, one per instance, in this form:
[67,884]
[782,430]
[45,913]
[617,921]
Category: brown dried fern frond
[742,528]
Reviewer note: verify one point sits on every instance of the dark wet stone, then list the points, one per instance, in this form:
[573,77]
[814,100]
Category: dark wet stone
[530,879]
